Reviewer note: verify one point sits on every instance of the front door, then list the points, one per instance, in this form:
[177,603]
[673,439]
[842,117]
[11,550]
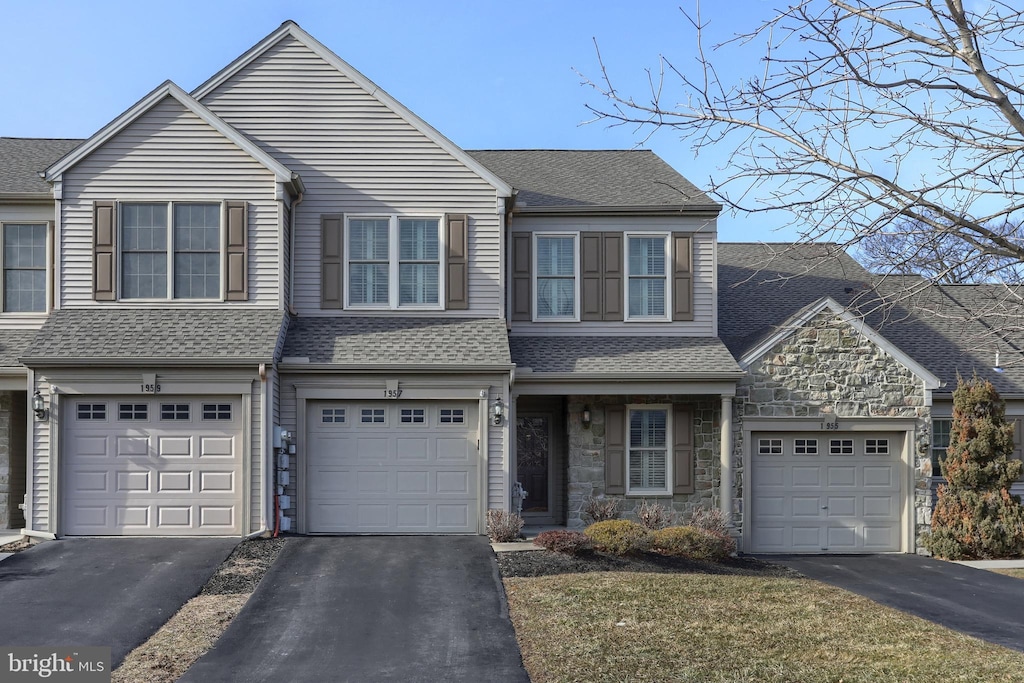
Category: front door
[533,449]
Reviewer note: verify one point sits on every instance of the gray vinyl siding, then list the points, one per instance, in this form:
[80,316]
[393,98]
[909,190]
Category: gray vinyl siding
[169,154]
[39,482]
[255,454]
[25,213]
[705,277]
[497,485]
[355,156]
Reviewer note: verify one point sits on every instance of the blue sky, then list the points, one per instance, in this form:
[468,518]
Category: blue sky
[487,74]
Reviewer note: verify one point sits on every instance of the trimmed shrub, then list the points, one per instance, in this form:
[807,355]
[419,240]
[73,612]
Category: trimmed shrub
[562,541]
[693,542]
[619,536]
[709,519]
[655,516]
[504,527]
[600,509]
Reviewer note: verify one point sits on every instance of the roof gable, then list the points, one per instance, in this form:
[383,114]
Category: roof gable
[293,30]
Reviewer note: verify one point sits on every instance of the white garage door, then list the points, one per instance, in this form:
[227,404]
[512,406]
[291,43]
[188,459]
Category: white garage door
[144,466]
[392,467]
[826,493]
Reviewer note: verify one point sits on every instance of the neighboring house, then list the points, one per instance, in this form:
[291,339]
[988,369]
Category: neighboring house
[284,299]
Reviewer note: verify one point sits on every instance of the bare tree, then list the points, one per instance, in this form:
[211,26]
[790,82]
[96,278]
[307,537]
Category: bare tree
[864,119]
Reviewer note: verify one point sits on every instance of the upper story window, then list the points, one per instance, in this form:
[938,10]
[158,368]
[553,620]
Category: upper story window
[170,247]
[556,277]
[394,262]
[24,266]
[647,275]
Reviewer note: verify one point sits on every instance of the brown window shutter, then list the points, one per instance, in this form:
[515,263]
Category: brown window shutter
[104,284]
[522,305]
[238,252]
[613,276]
[682,451]
[457,283]
[615,449]
[682,276]
[591,276]
[332,255]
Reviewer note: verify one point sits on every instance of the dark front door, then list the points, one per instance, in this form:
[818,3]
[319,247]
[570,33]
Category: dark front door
[533,464]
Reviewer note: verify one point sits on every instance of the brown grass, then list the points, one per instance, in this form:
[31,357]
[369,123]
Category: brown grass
[1016,573]
[699,627]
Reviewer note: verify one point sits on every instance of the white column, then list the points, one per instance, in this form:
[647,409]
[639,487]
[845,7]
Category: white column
[725,493]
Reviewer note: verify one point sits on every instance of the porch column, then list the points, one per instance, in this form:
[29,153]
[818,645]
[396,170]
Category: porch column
[725,493]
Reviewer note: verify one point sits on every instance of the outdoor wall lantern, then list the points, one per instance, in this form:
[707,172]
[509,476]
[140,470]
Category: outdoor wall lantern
[39,406]
[497,412]
[585,417]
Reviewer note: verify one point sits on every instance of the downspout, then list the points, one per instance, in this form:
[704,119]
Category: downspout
[291,253]
[264,430]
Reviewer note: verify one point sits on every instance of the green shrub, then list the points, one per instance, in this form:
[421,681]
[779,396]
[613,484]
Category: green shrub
[619,536]
[562,541]
[693,542]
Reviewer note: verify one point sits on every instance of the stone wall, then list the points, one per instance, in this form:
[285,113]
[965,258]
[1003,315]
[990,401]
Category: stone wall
[828,369]
[586,455]
[9,494]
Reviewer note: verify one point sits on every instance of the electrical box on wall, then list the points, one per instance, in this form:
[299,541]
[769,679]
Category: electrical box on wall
[286,523]
[284,502]
[278,437]
[283,478]
[282,461]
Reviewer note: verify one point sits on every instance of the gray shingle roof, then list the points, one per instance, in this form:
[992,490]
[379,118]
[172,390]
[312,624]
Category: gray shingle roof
[116,334]
[13,344]
[375,341]
[591,179]
[21,160]
[623,355]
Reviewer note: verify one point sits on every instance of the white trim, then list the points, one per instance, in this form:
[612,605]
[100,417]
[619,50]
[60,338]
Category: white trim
[669,449]
[808,313]
[47,270]
[575,318]
[167,89]
[290,28]
[669,268]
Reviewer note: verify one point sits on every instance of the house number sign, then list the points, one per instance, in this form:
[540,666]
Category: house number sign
[391,389]
[149,385]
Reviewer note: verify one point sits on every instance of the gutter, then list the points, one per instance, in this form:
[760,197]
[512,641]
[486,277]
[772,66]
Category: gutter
[27,197]
[391,368]
[62,362]
[527,375]
[686,210]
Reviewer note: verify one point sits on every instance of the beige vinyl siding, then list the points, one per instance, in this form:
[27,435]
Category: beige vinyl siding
[704,275]
[355,156]
[169,154]
[39,477]
[256,455]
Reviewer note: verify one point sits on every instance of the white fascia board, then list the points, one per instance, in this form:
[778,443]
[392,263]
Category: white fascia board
[803,317]
[290,28]
[168,89]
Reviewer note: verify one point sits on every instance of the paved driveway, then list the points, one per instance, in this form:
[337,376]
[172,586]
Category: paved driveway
[361,608]
[980,603]
[102,591]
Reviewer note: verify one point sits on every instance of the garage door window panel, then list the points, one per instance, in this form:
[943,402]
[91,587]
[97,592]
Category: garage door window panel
[412,416]
[805,446]
[452,416]
[372,416]
[769,446]
[840,447]
[216,411]
[133,411]
[648,458]
[175,411]
[332,416]
[91,411]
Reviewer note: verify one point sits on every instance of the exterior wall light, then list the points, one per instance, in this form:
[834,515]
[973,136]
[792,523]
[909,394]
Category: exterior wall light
[39,406]
[585,417]
[497,412]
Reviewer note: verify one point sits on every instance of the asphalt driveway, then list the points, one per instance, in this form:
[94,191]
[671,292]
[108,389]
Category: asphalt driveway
[363,608]
[102,591]
[980,603]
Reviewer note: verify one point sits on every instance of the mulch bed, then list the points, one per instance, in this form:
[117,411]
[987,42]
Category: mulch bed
[16,546]
[548,563]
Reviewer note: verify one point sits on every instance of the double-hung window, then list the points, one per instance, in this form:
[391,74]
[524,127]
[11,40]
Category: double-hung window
[556,277]
[170,250]
[648,457]
[24,266]
[940,442]
[394,262]
[647,274]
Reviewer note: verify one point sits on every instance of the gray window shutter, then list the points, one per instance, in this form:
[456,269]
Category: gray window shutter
[682,276]
[104,284]
[682,450]
[521,269]
[591,276]
[613,277]
[332,255]
[238,252]
[615,449]
[457,283]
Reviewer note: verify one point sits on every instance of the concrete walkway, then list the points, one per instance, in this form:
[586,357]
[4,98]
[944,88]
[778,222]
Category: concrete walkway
[980,603]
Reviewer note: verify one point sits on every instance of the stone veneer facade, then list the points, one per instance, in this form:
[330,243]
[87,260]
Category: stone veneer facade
[12,460]
[828,369]
[586,455]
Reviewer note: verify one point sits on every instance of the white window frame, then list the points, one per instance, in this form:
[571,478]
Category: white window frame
[222,246]
[394,251]
[669,456]
[48,296]
[576,277]
[669,267]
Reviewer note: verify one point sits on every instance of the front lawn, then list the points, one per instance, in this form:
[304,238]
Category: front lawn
[644,626]
[1016,573]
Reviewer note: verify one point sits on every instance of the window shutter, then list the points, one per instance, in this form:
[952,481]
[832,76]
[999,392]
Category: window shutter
[613,276]
[238,252]
[332,253]
[682,276]
[104,284]
[615,449]
[590,276]
[457,283]
[682,451]
[521,268]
